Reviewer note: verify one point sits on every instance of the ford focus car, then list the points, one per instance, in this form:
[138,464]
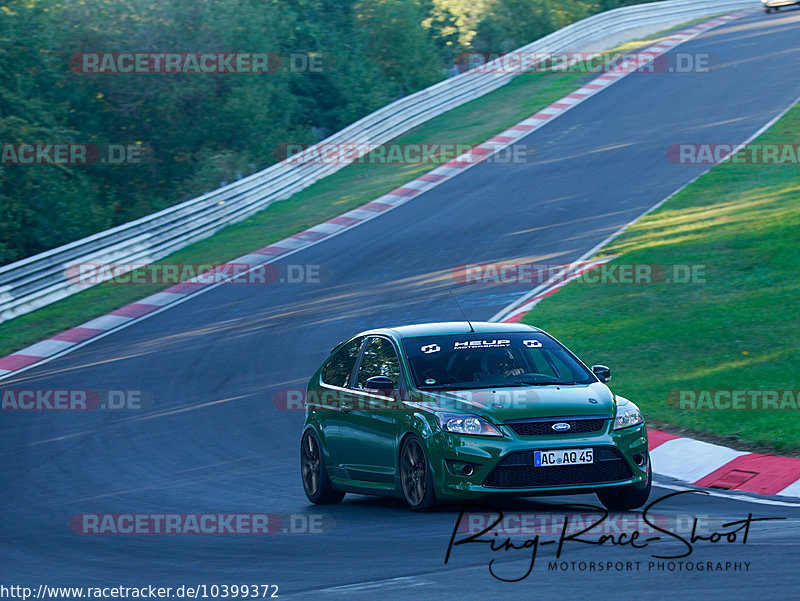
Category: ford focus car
[457,411]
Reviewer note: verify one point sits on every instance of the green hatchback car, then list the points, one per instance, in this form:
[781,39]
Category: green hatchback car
[448,412]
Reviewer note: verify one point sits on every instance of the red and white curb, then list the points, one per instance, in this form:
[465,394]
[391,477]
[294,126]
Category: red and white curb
[71,339]
[574,271]
[714,466]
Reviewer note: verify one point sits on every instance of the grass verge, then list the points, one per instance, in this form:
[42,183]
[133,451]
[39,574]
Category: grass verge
[737,330]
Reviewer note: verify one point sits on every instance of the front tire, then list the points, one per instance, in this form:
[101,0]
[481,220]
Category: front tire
[624,498]
[416,476]
[316,483]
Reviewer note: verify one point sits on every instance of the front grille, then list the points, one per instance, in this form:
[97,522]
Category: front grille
[545,427]
[516,470]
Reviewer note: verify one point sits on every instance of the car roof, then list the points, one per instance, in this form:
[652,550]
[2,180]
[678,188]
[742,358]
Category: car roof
[452,327]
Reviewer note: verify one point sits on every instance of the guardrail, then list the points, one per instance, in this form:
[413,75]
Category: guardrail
[40,280]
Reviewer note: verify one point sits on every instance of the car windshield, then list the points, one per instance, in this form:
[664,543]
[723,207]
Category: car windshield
[468,361]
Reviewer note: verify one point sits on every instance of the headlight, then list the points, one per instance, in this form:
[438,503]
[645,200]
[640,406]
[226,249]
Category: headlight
[458,423]
[628,415]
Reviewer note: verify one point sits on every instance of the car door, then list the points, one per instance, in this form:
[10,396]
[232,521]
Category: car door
[333,400]
[369,428]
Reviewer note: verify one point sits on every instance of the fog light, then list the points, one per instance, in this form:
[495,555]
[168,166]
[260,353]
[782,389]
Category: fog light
[460,468]
[640,459]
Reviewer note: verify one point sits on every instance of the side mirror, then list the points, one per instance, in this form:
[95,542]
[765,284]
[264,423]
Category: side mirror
[380,383]
[602,372]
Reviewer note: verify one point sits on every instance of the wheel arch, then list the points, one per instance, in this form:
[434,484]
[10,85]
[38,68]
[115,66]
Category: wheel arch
[313,428]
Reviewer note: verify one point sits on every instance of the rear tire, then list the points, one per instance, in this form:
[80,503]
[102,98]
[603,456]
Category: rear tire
[624,498]
[316,483]
[416,476]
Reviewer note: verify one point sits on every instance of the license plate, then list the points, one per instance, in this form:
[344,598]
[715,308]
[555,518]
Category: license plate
[562,457]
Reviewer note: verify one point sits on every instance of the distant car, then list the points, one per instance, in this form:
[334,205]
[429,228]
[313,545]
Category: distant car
[776,4]
[447,411]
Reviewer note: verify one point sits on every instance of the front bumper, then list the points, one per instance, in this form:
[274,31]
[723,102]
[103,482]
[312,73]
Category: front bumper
[502,465]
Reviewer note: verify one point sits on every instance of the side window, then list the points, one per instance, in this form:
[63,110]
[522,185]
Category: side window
[338,369]
[379,359]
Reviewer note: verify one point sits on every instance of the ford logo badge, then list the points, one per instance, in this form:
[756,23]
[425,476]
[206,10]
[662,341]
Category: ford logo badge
[561,427]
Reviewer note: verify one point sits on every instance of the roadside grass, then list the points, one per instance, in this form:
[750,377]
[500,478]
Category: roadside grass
[738,330]
[352,186]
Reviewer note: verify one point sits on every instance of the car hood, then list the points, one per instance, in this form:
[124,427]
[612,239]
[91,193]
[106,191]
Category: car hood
[503,404]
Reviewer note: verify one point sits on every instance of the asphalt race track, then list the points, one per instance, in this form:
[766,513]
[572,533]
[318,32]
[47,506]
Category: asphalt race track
[212,440]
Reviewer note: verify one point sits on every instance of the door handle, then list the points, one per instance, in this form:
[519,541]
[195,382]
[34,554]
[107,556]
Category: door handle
[345,408]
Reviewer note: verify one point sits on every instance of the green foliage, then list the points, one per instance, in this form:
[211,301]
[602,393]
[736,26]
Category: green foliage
[396,41]
[199,130]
